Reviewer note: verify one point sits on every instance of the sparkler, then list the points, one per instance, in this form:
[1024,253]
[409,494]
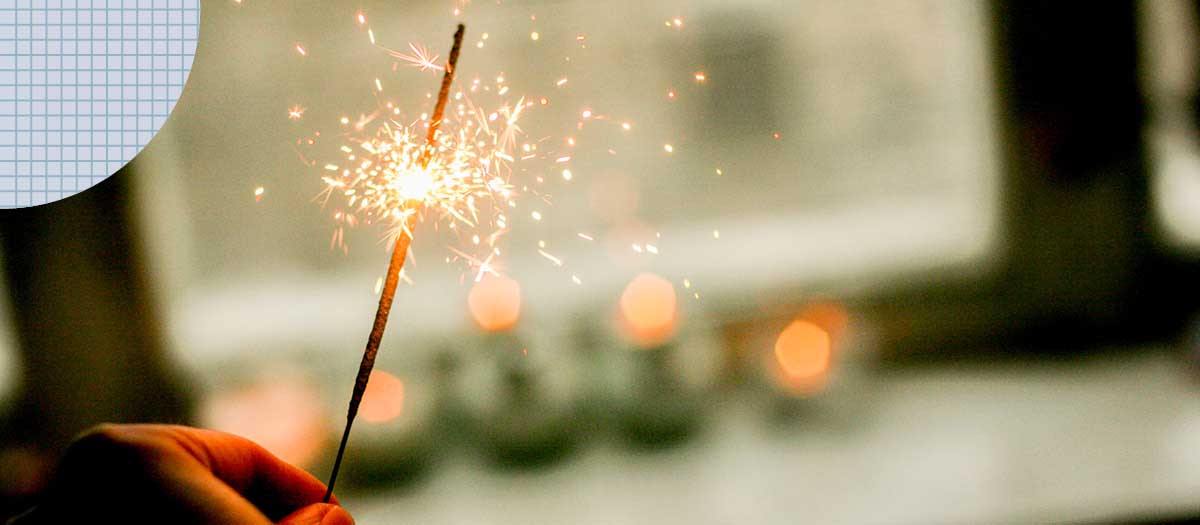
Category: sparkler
[412,199]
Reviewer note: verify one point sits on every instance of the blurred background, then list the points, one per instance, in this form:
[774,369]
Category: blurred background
[904,262]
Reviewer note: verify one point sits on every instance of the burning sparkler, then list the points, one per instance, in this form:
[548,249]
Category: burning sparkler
[398,179]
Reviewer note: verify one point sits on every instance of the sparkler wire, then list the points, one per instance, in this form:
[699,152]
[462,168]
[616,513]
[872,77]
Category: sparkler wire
[399,252]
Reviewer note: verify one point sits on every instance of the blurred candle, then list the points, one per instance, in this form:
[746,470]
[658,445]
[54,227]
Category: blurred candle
[802,357]
[495,303]
[661,407]
[649,311]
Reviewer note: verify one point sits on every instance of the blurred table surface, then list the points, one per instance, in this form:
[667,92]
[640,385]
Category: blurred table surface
[1078,440]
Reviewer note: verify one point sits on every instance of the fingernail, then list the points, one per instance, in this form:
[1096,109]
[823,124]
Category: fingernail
[337,516]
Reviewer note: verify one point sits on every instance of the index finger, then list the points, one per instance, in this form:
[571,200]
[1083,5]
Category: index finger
[276,487]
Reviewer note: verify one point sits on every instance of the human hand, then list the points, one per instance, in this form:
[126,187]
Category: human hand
[178,475]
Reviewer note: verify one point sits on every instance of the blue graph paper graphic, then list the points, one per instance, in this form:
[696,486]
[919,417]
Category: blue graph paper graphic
[84,85]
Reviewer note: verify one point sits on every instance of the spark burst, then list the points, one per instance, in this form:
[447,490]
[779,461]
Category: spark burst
[461,178]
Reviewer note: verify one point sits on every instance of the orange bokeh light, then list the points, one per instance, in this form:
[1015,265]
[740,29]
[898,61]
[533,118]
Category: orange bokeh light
[384,398]
[649,311]
[495,303]
[803,354]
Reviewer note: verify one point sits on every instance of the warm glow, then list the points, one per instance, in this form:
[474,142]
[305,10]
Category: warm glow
[495,303]
[802,357]
[384,398]
[282,414]
[829,315]
[414,185]
[649,312]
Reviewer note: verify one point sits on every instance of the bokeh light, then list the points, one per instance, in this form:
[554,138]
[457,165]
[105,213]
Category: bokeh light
[649,310]
[383,400]
[495,303]
[802,357]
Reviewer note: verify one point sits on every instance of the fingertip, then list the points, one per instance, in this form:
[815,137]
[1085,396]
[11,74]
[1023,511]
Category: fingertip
[337,516]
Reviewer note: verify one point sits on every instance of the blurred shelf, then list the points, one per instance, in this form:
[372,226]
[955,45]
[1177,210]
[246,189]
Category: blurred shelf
[1016,443]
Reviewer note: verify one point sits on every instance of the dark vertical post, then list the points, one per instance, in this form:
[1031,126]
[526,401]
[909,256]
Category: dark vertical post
[89,338]
[1076,209]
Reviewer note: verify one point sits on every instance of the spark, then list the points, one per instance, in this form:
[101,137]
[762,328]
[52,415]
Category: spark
[566,174]
[561,82]
[420,58]
[295,112]
[551,258]
[719,172]
[258,194]
[575,279]
[300,49]
[652,249]
[700,77]
[626,126]
[668,148]
[585,236]
[716,234]
[534,36]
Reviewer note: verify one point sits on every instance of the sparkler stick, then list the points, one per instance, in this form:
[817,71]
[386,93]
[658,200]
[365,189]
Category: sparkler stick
[399,252]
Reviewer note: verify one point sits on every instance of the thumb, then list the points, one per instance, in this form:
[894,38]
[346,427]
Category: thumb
[319,514]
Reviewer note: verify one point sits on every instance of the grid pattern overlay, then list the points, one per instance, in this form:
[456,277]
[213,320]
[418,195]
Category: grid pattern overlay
[84,85]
